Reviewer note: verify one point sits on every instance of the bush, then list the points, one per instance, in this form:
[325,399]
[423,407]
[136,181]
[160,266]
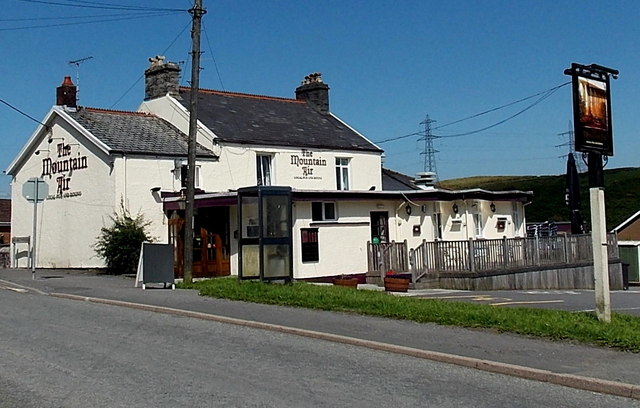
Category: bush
[119,245]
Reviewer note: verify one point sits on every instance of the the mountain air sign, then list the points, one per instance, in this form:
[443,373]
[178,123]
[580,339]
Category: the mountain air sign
[307,162]
[62,168]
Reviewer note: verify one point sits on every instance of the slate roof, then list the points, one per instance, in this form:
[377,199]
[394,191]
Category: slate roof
[394,181]
[135,132]
[254,119]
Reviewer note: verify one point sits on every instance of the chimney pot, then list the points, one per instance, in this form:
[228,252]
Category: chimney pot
[313,90]
[66,93]
[161,78]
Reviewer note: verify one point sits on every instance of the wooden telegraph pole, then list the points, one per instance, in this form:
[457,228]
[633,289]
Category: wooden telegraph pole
[197,12]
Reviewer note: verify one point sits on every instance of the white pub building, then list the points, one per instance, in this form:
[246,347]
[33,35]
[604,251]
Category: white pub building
[338,195]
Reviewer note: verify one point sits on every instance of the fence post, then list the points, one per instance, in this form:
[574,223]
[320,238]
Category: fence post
[412,265]
[424,256]
[471,257]
[405,255]
[505,252]
[537,251]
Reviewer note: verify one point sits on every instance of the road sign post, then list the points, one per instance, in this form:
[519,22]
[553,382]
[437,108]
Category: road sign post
[35,190]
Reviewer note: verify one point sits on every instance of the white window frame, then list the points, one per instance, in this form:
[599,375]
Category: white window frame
[476,214]
[516,218]
[324,217]
[196,183]
[477,223]
[261,178]
[438,227]
[343,176]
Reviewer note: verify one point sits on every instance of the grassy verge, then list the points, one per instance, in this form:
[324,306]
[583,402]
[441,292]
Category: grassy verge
[622,333]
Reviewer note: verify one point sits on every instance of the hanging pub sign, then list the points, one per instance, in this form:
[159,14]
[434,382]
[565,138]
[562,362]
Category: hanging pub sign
[592,108]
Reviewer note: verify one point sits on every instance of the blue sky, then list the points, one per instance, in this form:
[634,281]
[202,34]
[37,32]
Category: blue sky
[388,64]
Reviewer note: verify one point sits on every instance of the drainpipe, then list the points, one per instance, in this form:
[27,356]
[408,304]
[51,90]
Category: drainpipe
[466,219]
[397,219]
[524,218]
[124,187]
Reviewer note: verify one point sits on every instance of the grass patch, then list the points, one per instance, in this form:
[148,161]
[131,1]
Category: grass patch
[622,333]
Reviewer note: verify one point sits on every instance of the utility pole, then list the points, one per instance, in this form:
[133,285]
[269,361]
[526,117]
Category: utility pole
[197,12]
[580,164]
[429,152]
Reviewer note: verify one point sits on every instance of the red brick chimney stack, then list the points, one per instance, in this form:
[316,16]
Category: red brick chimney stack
[66,93]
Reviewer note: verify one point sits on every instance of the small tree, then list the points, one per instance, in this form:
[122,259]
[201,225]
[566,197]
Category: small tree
[119,245]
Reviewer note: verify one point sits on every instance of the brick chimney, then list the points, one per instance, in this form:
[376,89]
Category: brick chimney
[161,78]
[66,93]
[315,92]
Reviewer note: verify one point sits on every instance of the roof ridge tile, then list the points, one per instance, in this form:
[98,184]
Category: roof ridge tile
[118,112]
[244,95]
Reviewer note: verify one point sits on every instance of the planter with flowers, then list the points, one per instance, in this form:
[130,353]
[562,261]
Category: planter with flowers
[395,282]
[346,281]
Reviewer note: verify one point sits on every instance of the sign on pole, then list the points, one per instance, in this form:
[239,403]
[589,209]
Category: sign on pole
[35,190]
[592,108]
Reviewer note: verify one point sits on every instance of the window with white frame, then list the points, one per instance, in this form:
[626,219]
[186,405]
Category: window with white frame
[183,176]
[476,209]
[342,173]
[323,211]
[263,166]
[516,218]
[437,225]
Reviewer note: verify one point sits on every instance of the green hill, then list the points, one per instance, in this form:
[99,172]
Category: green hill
[622,193]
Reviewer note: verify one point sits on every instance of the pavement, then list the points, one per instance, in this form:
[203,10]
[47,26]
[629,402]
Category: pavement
[579,366]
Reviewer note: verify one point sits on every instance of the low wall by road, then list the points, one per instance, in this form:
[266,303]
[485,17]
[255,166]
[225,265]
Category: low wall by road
[565,277]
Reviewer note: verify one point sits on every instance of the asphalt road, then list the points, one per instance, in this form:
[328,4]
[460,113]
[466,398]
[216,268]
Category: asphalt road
[622,301]
[61,353]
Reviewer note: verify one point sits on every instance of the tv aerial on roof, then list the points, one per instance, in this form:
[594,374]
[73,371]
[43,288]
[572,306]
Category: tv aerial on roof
[77,64]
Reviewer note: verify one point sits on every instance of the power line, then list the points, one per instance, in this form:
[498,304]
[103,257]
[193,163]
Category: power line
[501,107]
[141,76]
[393,139]
[71,17]
[545,94]
[21,112]
[542,98]
[102,6]
[133,17]
[215,64]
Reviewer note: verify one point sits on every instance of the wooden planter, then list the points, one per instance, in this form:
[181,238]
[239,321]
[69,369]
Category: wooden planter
[348,282]
[396,284]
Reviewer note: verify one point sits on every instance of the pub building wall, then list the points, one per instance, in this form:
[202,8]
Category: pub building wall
[342,243]
[69,219]
[299,168]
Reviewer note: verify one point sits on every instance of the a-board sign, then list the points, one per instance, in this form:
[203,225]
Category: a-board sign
[155,265]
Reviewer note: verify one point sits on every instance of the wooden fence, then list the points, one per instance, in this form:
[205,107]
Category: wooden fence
[483,255]
[388,256]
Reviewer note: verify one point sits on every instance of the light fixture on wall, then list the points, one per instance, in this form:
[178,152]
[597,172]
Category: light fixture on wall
[455,208]
[51,139]
[492,206]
